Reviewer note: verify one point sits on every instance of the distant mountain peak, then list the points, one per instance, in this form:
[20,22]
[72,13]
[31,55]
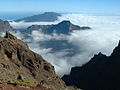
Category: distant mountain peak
[48,13]
[64,27]
[65,22]
[44,17]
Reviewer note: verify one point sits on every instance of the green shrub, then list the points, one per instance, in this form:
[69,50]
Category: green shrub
[25,82]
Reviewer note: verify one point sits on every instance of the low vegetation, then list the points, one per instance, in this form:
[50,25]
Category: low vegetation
[25,82]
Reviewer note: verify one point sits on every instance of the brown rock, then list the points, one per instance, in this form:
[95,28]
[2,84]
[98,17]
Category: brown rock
[5,86]
[20,65]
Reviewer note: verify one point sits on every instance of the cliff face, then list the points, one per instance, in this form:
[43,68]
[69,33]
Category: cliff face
[5,26]
[20,65]
[64,27]
[100,73]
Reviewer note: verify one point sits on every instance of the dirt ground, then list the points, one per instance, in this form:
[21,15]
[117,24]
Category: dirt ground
[5,86]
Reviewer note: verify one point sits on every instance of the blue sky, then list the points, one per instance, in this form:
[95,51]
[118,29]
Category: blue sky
[110,6]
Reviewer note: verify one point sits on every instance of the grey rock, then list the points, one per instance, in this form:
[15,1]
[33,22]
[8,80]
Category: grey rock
[5,26]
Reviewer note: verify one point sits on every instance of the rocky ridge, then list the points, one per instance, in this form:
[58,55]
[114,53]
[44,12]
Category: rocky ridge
[100,73]
[64,27]
[19,65]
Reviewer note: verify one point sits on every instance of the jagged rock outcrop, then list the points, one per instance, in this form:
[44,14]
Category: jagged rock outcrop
[45,17]
[5,26]
[20,65]
[100,73]
[64,27]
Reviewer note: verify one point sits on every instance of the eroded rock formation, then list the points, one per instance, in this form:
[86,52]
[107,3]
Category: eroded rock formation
[20,65]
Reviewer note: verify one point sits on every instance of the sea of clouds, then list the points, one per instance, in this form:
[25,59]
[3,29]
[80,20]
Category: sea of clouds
[103,37]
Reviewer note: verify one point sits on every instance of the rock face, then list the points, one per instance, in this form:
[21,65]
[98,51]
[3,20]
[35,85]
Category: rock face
[100,73]
[20,65]
[5,26]
[45,17]
[6,86]
[64,27]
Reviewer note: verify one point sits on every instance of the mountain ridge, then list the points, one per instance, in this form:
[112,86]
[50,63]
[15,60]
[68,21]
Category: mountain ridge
[64,27]
[28,68]
[100,73]
[44,17]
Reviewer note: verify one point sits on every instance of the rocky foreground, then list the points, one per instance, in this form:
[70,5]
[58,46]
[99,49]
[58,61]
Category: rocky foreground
[22,67]
[6,86]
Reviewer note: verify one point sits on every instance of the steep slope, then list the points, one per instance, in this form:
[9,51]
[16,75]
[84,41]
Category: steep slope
[5,26]
[20,65]
[45,17]
[100,73]
[64,27]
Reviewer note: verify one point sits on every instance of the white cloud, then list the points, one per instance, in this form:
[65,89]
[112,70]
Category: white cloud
[22,24]
[39,36]
[103,37]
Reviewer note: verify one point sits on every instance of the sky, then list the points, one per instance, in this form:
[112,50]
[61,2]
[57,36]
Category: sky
[103,6]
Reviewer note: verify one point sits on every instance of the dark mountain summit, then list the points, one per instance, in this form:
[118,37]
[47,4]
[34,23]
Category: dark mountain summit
[57,45]
[45,17]
[100,73]
[64,27]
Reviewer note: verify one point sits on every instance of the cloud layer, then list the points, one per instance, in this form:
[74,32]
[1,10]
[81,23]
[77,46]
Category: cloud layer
[103,37]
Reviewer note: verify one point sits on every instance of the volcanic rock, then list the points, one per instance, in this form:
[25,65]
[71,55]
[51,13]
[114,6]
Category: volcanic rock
[100,73]
[6,86]
[19,65]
